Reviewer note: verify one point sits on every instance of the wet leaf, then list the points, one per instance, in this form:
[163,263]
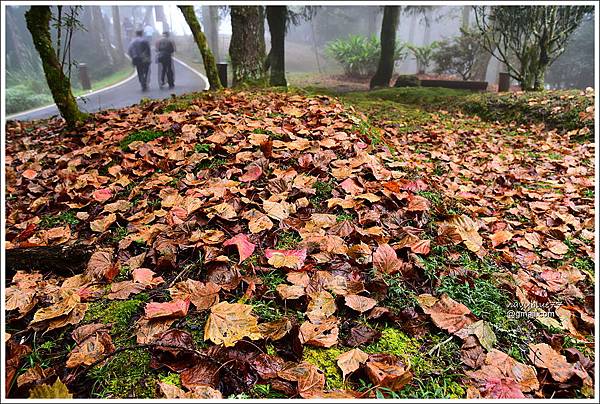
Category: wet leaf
[244,246]
[229,323]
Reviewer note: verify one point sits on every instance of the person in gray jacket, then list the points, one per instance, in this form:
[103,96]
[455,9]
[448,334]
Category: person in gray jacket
[140,54]
[165,48]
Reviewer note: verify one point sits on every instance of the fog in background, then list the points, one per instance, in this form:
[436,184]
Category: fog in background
[307,59]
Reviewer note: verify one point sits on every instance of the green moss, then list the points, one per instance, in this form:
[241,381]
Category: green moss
[118,313]
[171,378]
[325,359]
[432,359]
[395,342]
[125,375]
[142,136]
[176,106]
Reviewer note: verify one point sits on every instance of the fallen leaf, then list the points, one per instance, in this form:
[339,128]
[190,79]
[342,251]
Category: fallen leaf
[101,266]
[293,259]
[482,330]
[543,356]
[202,295]
[387,371]
[501,237]
[102,195]
[446,313]
[244,246]
[252,173]
[57,390]
[467,228]
[321,335]
[102,224]
[385,260]
[229,323]
[177,308]
[351,361]
[360,303]
[498,365]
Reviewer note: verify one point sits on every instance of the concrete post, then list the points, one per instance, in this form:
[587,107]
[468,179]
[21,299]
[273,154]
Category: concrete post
[84,77]
[503,82]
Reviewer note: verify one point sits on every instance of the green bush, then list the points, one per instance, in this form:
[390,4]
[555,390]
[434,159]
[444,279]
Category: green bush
[423,55]
[21,98]
[359,55]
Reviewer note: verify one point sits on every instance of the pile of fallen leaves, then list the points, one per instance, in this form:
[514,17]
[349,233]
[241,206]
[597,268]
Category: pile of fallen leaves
[201,213]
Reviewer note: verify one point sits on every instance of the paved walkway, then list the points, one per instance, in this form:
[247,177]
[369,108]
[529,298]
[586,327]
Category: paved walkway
[128,93]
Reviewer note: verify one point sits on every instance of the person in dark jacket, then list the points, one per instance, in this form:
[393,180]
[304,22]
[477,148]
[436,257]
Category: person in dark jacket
[140,54]
[165,49]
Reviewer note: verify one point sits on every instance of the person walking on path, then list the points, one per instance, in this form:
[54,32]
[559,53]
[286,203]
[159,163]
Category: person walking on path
[139,52]
[165,48]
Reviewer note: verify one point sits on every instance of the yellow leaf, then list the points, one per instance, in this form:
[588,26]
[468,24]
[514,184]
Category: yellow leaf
[229,323]
[57,390]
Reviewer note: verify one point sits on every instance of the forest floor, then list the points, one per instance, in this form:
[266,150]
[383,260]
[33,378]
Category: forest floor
[401,243]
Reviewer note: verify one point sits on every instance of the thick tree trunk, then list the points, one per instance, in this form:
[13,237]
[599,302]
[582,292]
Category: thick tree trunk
[210,21]
[116,15]
[99,28]
[276,17]
[247,47]
[60,260]
[38,23]
[207,57]
[481,65]
[385,68]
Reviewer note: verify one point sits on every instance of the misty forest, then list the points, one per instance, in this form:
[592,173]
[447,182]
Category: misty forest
[301,201]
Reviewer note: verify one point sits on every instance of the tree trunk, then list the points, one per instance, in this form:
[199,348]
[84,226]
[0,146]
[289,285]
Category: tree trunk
[14,45]
[99,28]
[213,12]
[466,13]
[385,68]
[207,57]
[117,30]
[276,17]
[210,21]
[427,30]
[60,260]
[38,23]
[247,47]
[481,65]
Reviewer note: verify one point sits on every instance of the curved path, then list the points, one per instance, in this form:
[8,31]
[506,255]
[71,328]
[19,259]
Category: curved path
[128,92]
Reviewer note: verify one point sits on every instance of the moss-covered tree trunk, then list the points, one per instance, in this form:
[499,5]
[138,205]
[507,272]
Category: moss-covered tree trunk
[385,68]
[247,47]
[207,57]
[276,17]
[38,24]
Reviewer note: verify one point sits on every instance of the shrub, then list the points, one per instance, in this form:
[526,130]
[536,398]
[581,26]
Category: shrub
[21,98]
[359,55]
[458,56]
[423,55]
